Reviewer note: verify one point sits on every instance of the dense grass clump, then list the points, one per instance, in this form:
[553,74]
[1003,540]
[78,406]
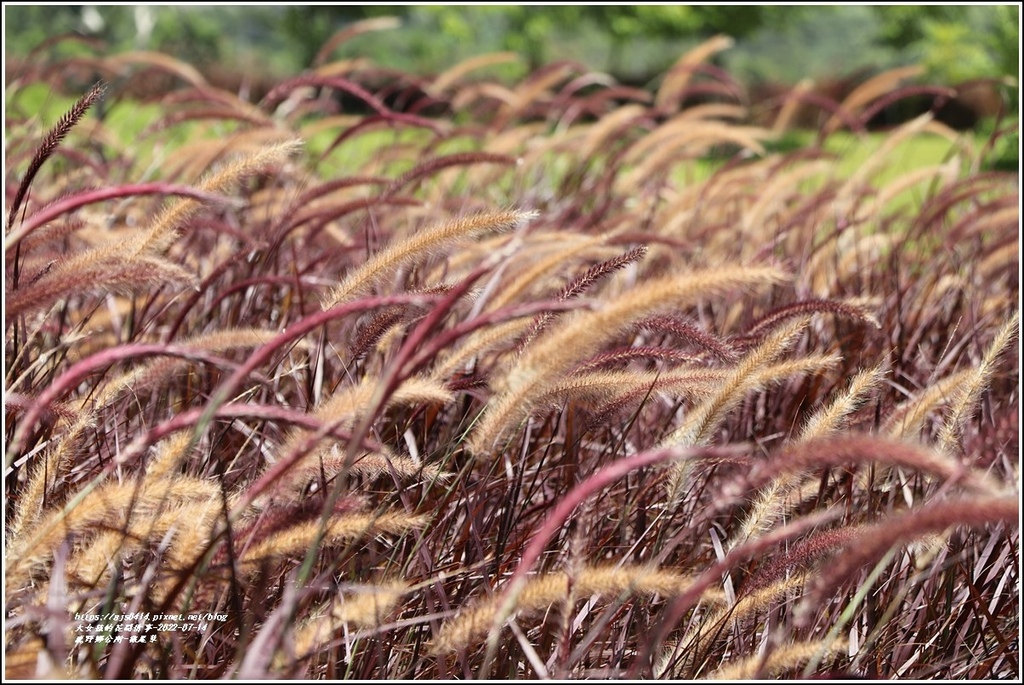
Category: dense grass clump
[554,378]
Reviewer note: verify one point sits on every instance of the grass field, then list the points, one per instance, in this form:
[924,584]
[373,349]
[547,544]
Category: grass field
[543,379]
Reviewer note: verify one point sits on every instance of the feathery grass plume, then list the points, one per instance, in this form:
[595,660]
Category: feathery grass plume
[442,235]
[169,455]
[799,309]
[847,255]
[854,186]
[695,430]
[966,394]
[326,219]
[373,465]
[111,504]
[60,457]
[851,260]
[32,498]
[627,354]
[339,530]
[187,526]
[499,94]
[431,166]
[529,91]
[449,77]
[607,126]
[779,660]
[378,327]
[161,371]
[694,141]
[553,355]
[54,466]
[269,247]
[870,90]
[752,373]
[326,201]
[540,592]
[898,529]
[563,508]
[92,564]
[220,97]
[583,281]
[771,502]
[515,140]
[278,516]
[791,105]
[770,505]
[342,410]
[194,160]
[343,186]
[710,202]
[193,531]
[946,174]
[56,461]
[537,159]
[805,556]
[339,67]
[477,344]
[39,229]
[828,420]
[714,110]
[364,607]
[539,253]
[989,220]
[598,271]
[49,145]
[680,73]
[777,193]
[563,249]
[351,31]
[164,230]
[100,270]
[908,418]
[711,626]
[810,363]
[608,386]
[158,60]
[682,128]
[723,349]
[1004,258]
[681,382]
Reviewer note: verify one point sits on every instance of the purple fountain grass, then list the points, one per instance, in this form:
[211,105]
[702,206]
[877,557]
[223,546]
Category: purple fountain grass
[396,431]
[281,91]
[50,143]
[870,543]
[69,204]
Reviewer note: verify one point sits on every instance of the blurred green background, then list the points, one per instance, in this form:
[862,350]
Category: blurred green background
[633,43]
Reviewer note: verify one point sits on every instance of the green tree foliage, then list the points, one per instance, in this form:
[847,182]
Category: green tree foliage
[531,30]
[955,42]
